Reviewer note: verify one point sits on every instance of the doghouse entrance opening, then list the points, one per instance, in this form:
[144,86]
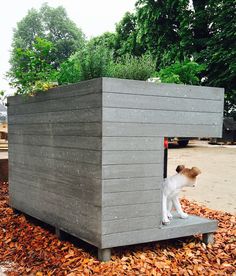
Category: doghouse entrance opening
[165,157]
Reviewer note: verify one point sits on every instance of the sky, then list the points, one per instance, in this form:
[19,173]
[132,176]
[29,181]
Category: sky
[94,17]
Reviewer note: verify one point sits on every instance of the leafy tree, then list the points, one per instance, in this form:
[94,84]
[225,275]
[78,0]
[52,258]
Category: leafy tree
[32,65]
[176,30]
[163,29]
[51,24]
[219,54]
[106,40]
[200,24]
[126,41]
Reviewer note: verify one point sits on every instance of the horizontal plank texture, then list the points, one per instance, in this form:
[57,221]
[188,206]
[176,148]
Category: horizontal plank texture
[55,144]
[137,107]
[136,115]
[177,228]
[83,88]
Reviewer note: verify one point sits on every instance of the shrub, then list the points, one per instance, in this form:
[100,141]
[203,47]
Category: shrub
[129,67]
[32,66]
[90,62]
[40,86]
[187,72]
[70,71]
[94,61]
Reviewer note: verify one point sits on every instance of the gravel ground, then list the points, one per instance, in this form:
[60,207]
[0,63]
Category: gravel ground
[216,187]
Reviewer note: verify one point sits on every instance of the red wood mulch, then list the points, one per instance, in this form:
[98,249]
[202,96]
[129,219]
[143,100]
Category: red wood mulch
[33,250]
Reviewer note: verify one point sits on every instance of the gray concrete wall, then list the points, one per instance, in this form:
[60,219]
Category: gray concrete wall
[136,117]
[137,107]
[55,142]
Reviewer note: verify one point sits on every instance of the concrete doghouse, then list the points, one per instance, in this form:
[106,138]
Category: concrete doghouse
[87,158]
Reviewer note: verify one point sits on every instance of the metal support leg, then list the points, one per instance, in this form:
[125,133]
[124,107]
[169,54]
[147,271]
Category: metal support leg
[208,238]
[60,234]
[104,255]
[16,212]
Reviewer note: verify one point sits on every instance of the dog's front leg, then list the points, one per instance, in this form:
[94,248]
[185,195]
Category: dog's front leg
[165,219]
[179,208]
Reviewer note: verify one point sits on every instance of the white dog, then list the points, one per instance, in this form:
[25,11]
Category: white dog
[172,186]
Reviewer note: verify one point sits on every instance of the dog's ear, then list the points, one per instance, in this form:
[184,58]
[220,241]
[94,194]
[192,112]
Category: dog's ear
[195,171]
[180,168]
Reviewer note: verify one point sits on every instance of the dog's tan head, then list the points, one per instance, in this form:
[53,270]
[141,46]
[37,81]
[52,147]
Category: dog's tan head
[191,174]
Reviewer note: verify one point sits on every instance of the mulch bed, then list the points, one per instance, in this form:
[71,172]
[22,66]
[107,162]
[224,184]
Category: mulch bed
[35,250]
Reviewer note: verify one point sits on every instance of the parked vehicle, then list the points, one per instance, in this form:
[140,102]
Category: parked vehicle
[228,133]
[182,142]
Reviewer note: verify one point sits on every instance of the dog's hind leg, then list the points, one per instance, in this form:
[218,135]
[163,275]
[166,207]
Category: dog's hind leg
[179,208]
[169,208]
[165,219]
